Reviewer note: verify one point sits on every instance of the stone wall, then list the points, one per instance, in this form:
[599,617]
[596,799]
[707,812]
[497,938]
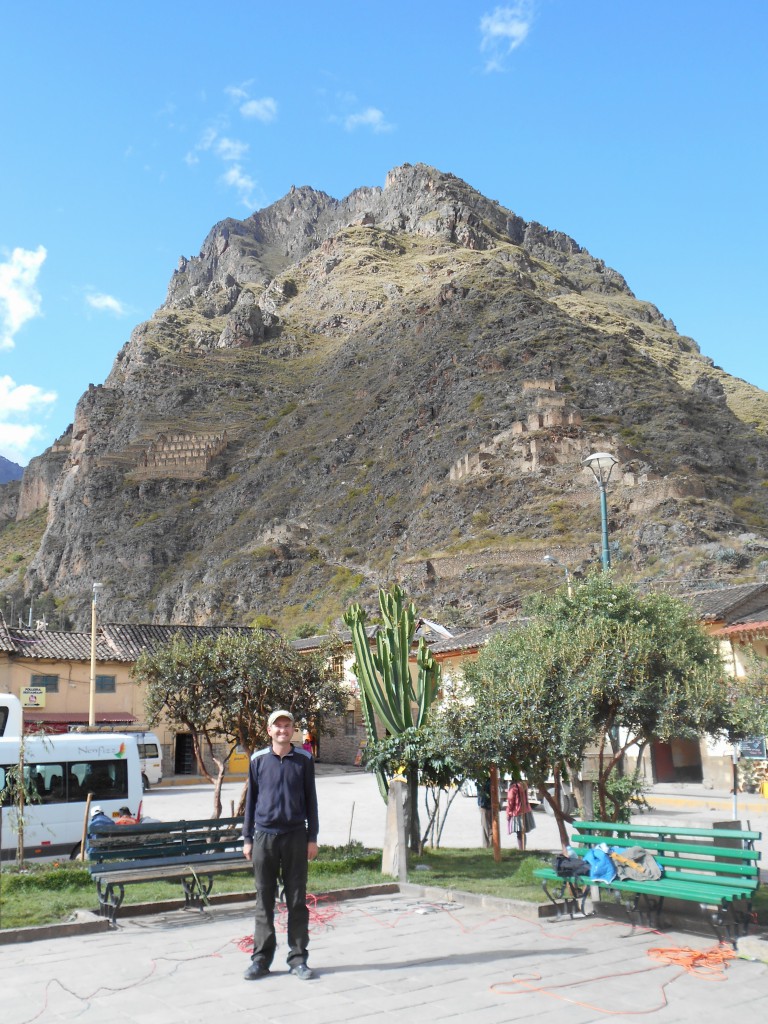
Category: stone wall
[183,456]
[419,574]
[342,747]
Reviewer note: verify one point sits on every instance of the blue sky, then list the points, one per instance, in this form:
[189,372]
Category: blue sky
[128,130]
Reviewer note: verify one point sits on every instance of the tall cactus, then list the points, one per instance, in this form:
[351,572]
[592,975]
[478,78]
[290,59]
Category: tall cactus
[387,690]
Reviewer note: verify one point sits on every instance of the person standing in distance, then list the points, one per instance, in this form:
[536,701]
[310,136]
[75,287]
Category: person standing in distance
[280,836]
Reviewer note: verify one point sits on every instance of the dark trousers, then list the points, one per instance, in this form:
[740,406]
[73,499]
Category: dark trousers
[284,855]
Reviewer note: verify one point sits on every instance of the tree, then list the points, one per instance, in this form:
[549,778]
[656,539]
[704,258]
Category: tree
[18,792]
[438,773]
[387,690]
[606,666]
[222,688]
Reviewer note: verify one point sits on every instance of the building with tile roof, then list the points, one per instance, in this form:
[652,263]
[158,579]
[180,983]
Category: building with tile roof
[57,666]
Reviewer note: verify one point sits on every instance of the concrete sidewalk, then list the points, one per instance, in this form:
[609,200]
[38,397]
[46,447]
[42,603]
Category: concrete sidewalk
[378,959]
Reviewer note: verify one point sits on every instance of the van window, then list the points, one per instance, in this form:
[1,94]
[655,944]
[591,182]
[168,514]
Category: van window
[107,780]
[47,780]
[148,750]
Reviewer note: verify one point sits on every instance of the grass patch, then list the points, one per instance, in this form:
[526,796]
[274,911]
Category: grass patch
[47,893]
[476,871]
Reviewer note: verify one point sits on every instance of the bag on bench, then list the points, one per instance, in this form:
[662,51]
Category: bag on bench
[636,863]
[569,867]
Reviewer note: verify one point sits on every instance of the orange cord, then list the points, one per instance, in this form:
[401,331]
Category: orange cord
[704,963]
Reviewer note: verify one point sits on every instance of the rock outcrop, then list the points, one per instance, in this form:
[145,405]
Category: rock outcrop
[344,355]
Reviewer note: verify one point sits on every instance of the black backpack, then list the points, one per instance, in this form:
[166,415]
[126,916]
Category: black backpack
[570,867]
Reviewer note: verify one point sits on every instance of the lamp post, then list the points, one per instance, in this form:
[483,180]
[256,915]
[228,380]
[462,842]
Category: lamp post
[601,464]
[92,696]
[550,560]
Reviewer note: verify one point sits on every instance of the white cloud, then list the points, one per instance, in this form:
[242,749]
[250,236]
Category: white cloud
[503,31]
[231,149]
[19,299]
[239,92]
[264,110]
[371,118]
[19,402]
[236,178]
[22,398]
[108,303]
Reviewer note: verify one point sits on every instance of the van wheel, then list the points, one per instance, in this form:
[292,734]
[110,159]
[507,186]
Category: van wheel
[144,783]
[75,854]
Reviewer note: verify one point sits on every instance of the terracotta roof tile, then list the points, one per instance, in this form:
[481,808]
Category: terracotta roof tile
[55,646]
[127,642]
[728,603]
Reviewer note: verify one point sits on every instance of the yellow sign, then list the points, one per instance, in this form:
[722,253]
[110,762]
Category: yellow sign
[33,696]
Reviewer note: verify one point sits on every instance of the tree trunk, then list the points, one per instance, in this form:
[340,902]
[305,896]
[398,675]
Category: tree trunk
[412,828]
[495,837]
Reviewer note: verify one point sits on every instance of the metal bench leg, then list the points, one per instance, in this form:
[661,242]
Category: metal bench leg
[568,898]
[111,896]
[196,890]
[731,922]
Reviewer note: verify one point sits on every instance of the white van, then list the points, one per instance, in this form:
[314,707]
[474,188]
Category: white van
[150,759]
[63,770]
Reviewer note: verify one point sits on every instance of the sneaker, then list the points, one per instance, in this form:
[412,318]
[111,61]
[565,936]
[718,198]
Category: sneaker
[256,970]
[302,972]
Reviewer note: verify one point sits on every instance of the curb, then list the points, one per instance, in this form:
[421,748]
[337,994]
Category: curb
[520,908]
[87,922]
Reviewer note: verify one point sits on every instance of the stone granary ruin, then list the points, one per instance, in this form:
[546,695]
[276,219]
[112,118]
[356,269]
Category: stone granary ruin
[519,450]
[182,456]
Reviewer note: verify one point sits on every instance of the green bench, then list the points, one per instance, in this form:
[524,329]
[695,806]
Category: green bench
[190,852]
[715,868]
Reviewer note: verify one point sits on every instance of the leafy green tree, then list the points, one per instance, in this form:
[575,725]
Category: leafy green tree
[387,690]
[438,772]
[18,792]
[222,688]
[607,666]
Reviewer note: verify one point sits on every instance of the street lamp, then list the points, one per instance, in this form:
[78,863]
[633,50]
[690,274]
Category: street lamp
[92,697]
[550,560]
[601,464]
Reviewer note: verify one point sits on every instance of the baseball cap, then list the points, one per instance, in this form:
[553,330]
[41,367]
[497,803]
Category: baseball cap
[280,713]
[96,810]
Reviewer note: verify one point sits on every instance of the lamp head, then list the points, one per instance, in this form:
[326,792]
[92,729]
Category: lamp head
[601,464]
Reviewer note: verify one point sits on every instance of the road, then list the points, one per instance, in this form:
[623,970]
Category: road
[351,808]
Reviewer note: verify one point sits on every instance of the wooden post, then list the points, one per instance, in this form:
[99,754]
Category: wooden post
[496,838]
[86,819]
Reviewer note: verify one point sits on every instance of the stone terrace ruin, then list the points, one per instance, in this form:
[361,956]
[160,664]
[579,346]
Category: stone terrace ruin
[183,456]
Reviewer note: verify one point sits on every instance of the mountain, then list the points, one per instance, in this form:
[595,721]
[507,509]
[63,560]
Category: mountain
[397,385]
[9,471]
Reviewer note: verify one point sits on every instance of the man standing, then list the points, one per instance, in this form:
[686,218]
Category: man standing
[280,835]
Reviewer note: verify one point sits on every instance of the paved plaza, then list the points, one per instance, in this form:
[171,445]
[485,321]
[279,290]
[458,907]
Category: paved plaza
[415,956]
[383,958]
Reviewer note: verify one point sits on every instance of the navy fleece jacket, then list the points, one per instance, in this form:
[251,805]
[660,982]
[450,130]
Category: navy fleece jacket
[281,794]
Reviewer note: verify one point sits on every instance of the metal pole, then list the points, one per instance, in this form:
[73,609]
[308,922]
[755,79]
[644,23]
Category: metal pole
[92,694]
[605,554]
[735,758]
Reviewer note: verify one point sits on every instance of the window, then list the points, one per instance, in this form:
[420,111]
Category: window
[5,784]
[47,781]
[49,683]
[105,684]
[107,780]
[349,723]
[337,666]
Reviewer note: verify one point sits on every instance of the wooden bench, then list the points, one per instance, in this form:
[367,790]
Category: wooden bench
[190,852]
[716,868]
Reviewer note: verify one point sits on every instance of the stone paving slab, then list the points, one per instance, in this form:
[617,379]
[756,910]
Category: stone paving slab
[378,959]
